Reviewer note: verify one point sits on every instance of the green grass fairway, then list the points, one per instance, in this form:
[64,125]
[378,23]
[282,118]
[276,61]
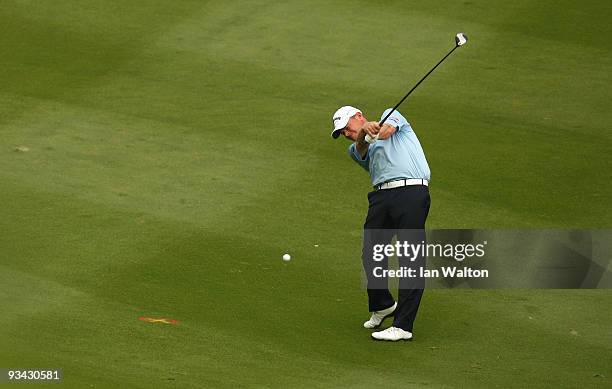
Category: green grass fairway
[157,159]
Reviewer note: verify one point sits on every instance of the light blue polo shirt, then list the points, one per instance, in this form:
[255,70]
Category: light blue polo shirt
[400,156]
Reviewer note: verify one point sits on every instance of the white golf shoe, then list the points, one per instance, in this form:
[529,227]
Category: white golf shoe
[393,334]
[379,316]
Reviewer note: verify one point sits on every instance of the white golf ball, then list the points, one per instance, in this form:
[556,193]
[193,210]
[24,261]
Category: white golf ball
[286,257]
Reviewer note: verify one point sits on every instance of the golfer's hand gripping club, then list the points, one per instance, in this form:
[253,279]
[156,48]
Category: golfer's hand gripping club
[372,130]
[371,139]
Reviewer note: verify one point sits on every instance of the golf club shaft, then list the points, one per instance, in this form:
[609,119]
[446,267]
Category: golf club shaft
[417,84]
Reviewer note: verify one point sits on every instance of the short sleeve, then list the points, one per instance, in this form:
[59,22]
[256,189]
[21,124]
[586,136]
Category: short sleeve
[354,154]
[396,120]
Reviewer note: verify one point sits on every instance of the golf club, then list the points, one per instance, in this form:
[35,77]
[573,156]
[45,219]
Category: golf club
[460,40]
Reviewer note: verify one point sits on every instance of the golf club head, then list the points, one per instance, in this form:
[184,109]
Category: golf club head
[461,39]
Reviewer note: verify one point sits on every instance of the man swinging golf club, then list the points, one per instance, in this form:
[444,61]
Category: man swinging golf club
[391,153]
[400,201]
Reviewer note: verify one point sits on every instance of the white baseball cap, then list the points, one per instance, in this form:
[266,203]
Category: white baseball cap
[341,118]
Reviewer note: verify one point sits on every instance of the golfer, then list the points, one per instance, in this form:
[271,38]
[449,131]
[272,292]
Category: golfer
[399,202]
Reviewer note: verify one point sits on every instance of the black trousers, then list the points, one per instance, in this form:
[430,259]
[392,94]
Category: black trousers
[406,209]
